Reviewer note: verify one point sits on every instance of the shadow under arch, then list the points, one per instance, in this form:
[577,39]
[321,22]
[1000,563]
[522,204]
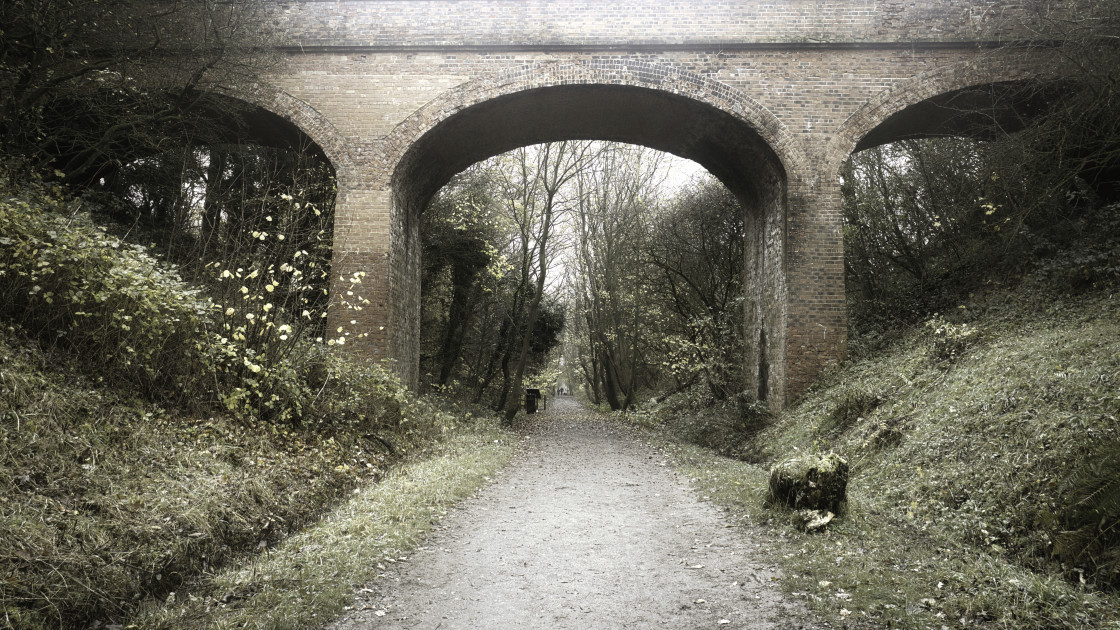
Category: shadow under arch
[278,120]
[726,145]
[191,119]
[981,111]
[740,153]
[973,99]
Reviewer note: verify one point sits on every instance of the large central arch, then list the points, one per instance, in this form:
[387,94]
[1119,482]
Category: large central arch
[639,103]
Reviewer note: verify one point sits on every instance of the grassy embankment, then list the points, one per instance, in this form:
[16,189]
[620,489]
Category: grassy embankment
[985,489]
[313,576]
[152,448]
[109,507]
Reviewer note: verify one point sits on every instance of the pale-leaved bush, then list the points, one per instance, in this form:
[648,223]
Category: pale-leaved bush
[79,290]
[950,340]
[130,320]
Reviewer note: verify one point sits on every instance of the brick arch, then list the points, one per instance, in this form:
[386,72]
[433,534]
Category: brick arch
[639,74]
[627,100]
[993,70]
[304,118]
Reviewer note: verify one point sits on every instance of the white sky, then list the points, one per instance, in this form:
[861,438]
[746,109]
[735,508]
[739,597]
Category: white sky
[680,173]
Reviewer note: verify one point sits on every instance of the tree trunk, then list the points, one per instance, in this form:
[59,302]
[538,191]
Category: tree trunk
[610,384]
[457,318]
[211,205]
[523,357]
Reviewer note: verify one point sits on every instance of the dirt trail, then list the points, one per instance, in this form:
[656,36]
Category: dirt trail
[587,528]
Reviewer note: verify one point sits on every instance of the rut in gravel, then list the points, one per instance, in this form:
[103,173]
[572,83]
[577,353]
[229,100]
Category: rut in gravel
[587,528]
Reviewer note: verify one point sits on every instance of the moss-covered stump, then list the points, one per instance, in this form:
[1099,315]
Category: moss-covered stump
[811,482]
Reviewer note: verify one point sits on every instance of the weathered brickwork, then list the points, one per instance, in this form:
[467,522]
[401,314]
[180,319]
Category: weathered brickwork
[451,23]
[770,96]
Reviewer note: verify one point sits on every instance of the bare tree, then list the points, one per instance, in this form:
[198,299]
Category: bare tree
[534,200]
[612,199]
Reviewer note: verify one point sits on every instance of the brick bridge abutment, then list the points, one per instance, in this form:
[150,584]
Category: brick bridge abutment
[403,94]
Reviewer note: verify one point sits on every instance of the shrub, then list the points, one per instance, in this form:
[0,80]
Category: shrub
[852,405]
[130,320]
[693,416]
[1091,517]
[79,290]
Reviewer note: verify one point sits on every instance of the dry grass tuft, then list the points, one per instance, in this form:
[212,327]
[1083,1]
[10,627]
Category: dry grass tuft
[313,576]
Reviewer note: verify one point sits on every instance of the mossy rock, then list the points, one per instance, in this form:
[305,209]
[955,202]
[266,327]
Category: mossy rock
[810,482]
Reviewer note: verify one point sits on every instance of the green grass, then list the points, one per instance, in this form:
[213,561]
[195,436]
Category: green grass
[968,473]
[312,577]
[107,504]
[106,501]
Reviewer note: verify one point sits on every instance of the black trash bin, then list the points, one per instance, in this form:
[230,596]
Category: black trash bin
[531,397]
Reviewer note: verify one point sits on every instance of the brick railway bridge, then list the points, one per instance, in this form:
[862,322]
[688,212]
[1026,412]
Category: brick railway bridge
[771,96]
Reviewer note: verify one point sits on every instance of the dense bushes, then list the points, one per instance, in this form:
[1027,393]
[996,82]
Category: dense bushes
[81,291]
[930,222]
[152,431]
[694,416]
[131,322]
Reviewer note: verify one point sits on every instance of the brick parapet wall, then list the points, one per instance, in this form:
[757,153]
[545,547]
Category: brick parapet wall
[569,23]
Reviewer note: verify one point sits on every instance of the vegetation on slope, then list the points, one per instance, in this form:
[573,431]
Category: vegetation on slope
[984,490]
[107,500]
[149,434]
[313,576]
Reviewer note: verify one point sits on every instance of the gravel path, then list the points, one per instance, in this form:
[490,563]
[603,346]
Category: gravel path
[587,528]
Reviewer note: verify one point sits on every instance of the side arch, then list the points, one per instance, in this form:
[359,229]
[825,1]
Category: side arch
[992,86]
[306,119]
[992,92]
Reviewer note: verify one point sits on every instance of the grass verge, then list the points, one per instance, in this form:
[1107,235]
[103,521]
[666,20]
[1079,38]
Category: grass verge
[312,577]
[106,501]
[974,472]
[109,503]
[875,570]
[149,434]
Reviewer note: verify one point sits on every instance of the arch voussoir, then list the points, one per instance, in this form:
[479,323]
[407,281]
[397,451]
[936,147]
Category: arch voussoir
[659,77]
